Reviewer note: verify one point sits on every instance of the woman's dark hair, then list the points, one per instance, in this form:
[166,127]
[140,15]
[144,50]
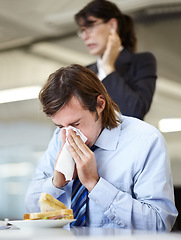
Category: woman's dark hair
[76,80]
[106,10]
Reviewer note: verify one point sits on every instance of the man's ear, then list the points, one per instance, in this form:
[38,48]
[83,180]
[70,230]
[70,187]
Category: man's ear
[101,103]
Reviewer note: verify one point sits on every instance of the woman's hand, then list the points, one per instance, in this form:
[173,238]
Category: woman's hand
[111,53]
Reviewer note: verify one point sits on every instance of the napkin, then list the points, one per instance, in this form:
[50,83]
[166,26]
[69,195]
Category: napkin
[65,162]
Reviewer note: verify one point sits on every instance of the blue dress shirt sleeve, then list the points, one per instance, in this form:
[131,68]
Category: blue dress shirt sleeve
[149,206]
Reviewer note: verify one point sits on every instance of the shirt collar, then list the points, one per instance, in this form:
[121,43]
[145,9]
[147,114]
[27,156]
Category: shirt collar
[109,139]
[101,73]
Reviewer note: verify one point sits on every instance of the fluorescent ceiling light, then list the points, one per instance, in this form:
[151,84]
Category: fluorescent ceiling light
[170,125]
[19,94]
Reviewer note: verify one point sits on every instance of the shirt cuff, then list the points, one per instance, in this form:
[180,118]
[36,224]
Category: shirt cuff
[49,188]
[103,193]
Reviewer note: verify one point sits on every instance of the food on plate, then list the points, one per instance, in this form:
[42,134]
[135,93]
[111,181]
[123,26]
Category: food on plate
[51,208]
[49,203]
[57,214]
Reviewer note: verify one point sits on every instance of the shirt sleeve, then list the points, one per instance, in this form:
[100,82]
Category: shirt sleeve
[151,204]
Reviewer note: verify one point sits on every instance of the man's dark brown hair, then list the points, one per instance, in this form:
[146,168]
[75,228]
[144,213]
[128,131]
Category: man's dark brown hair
[76,80]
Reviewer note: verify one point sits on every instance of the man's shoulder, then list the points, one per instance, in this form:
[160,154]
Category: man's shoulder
[137,126]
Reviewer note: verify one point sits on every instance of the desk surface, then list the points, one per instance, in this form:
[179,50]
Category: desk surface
[83,233]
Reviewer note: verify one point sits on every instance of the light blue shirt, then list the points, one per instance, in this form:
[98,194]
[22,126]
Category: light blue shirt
[135,190]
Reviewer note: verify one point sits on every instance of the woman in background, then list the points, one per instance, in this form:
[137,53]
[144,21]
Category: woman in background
[129,77]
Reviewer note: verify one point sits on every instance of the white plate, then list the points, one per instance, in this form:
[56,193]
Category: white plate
[41,223]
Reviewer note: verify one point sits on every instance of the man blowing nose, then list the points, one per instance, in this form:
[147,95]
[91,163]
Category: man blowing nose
[125,181]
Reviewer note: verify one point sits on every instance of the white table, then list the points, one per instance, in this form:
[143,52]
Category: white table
[84,234]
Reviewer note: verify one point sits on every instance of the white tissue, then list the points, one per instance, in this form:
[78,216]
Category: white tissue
[65,163]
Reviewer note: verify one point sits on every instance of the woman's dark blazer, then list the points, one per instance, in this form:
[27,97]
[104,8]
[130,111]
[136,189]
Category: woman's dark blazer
[132,85]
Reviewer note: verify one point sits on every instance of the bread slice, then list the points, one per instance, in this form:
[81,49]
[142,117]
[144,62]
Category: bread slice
[63,213]
[49,203]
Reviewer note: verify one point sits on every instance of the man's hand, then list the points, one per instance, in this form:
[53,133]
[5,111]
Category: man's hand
[85,161]
[111,53]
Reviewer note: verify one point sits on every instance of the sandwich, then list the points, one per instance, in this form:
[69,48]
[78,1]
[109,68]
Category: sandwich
[51,208]
[48,203]
[57,214]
